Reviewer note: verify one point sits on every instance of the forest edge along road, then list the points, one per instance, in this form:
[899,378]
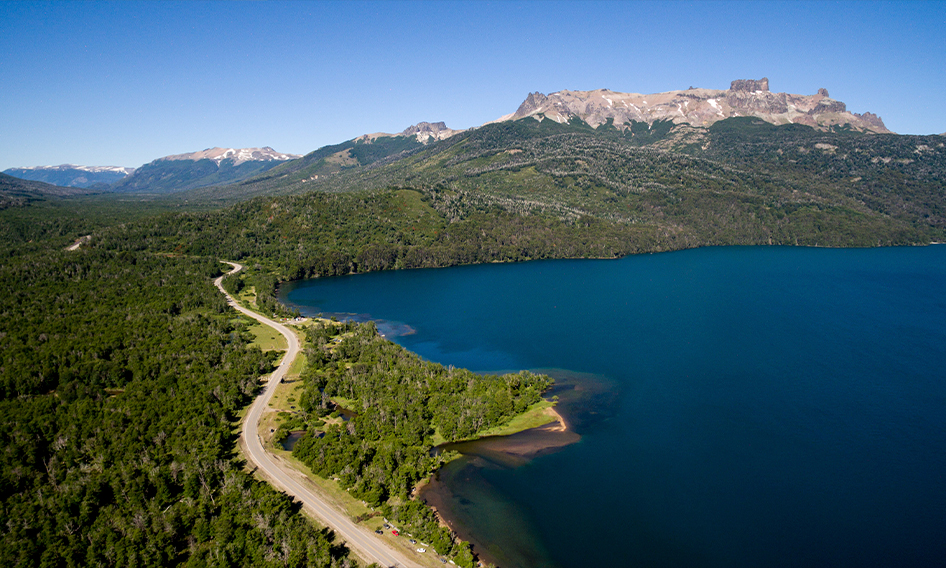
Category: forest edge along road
[366,544]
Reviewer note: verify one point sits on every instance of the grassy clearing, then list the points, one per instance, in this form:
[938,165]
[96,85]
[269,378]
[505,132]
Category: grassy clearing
[534,417]
[247,298]
[286,395]
[267,338]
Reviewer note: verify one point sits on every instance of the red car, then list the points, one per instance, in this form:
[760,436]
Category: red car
[395,533]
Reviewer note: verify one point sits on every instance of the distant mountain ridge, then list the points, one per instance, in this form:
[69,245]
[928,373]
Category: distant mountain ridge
[236,155]
[71,175]
[210,167]
[697,107]
[672,119]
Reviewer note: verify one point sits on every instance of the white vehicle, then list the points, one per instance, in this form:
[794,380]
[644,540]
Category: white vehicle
[421,550]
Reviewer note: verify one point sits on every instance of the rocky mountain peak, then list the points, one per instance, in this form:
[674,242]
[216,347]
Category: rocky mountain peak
[533,102]
[432,127]
[425,131]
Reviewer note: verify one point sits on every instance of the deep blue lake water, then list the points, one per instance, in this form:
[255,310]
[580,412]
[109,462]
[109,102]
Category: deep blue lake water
[772,406]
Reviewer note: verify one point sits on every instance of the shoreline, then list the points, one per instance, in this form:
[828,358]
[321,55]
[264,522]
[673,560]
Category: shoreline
[507,451]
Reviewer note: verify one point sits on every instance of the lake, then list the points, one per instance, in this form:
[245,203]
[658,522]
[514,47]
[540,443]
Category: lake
[737,406]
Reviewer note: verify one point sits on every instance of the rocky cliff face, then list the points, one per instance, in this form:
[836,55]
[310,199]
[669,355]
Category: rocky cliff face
[697,107]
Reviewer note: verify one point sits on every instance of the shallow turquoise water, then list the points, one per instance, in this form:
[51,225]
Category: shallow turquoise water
[775,406]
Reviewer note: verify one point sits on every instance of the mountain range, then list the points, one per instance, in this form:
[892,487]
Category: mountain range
[70,175]
[213,166]
[694,107]
[701,166]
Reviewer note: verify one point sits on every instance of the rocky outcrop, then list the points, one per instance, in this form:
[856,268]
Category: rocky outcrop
[427,130]
[873,119]
[827,105]
[697,107]
[750,85]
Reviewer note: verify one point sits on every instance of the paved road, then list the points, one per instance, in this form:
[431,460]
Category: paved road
[365,542]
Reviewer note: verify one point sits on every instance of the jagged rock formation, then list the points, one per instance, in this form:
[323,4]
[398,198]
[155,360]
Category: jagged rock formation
[697,107]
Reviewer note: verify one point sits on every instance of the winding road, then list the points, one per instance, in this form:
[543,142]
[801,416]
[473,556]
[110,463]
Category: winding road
[363,541]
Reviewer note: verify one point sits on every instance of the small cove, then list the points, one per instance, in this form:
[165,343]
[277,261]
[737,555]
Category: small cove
[764,406]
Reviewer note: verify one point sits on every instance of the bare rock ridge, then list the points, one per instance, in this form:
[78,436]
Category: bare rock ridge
[697,107]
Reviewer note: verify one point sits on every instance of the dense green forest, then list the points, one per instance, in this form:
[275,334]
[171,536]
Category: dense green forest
[401,404]
[122,375]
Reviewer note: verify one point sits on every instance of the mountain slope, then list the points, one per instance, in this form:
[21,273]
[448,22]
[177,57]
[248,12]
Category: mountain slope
[740,181]
[16,192]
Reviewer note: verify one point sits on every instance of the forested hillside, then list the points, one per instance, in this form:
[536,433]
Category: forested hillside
[741,181]
[329,234]
[16,192]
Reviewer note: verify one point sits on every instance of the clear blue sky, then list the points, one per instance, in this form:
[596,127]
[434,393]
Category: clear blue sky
[123,83]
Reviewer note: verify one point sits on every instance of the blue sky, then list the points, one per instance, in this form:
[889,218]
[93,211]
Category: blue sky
[123,83]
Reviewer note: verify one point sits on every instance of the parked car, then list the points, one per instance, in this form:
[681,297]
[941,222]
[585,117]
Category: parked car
[395,533]
[421,550]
